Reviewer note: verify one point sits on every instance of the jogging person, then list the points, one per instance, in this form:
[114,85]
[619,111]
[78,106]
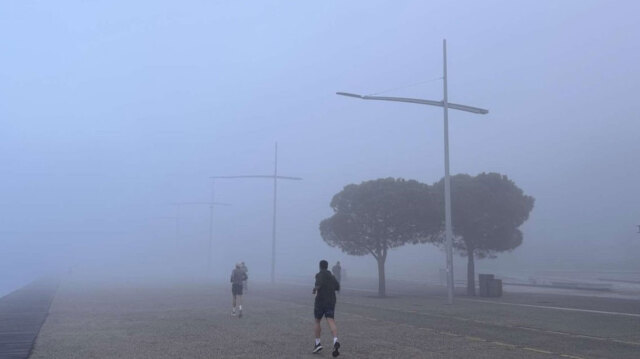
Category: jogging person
[325,304]
[337,271]
[245,287]
[237,277]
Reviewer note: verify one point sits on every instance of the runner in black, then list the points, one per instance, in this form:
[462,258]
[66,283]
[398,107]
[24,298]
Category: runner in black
[237,277]
[325,305]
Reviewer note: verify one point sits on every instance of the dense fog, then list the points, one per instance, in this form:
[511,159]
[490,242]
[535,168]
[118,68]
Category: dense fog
[111,111]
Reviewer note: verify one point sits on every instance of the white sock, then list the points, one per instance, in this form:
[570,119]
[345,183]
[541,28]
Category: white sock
[335,339]
[317,341]
[240,307]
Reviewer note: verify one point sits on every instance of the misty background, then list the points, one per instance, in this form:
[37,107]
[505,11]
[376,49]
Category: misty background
[111,110]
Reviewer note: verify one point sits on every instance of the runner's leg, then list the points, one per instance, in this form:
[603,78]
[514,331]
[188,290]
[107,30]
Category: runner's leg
[334,331]
[317,328]
[333,327]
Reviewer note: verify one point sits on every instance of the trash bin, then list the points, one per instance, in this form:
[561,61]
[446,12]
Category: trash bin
[483,280]
[495,288]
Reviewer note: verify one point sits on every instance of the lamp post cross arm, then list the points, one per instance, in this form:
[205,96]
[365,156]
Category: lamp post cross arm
[261,176]
[201,203]
[418,101]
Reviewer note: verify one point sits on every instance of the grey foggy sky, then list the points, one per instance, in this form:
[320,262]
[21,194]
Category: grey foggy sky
[110,109]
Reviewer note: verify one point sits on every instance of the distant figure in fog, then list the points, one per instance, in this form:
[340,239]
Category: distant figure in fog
[325,305]
[245,287]
[337,271]
[237,277]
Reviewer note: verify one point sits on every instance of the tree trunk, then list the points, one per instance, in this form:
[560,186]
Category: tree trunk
[471,274]
[382,290]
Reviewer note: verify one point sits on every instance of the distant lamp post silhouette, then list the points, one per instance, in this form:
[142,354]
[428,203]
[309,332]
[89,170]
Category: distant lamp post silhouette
[275,177]
[211,204]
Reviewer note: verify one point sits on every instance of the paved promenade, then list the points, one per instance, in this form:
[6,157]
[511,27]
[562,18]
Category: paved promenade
[21,316]
[194,321]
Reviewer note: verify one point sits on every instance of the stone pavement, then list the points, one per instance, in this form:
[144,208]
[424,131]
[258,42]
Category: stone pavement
[22,313]
[194,321]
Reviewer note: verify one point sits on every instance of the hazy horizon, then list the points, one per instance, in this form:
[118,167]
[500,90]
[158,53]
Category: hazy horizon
[111,111]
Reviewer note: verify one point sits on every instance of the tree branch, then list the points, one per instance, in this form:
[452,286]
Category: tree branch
[372,253]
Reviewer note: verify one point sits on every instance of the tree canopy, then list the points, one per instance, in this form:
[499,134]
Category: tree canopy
[376,216]
[487,211]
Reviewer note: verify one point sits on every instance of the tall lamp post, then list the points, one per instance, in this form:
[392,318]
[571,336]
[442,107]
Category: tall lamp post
[211,205]
[446,105]
[275,178]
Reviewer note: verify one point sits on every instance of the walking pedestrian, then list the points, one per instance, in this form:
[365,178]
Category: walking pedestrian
[325,304]
[337,271]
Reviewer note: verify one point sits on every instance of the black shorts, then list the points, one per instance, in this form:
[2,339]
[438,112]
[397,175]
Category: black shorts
[236,289]
[324,310]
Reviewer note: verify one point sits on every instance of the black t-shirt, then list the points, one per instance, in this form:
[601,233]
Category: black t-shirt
[238,275]
[326,287]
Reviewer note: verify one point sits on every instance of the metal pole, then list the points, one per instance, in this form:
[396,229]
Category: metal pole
[177,225]
[447,181]
[275,178]
[176,245]
[273,237]
[447,184]
[213,199]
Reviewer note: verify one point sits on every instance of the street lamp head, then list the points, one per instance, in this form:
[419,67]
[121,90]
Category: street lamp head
[349,94]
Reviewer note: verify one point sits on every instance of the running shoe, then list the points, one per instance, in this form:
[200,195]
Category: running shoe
[336,346]
[317,348]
